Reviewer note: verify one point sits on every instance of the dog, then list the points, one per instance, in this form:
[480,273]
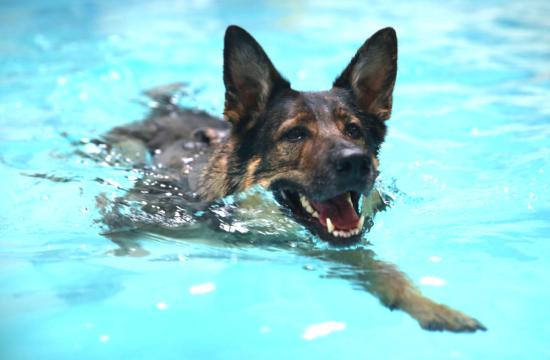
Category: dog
[316,153]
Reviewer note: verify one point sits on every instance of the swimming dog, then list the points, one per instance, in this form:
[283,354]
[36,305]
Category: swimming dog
[315,152]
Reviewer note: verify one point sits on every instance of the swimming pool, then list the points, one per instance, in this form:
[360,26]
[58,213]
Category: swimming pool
[467,156]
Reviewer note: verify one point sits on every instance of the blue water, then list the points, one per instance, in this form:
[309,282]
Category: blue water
[468,155]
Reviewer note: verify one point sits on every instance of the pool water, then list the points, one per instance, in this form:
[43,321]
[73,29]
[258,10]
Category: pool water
[467,157]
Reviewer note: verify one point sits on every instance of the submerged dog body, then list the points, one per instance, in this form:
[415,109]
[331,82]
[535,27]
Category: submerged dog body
[317,152]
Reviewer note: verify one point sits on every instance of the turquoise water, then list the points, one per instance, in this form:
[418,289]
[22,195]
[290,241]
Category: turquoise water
[468,153]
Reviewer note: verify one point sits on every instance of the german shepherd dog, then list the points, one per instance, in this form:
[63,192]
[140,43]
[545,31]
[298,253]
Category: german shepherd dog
[315,152]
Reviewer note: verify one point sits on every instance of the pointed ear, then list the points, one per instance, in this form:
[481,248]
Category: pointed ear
[249,76]
[371,74]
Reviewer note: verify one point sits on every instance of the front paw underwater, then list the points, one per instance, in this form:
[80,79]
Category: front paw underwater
[438,317]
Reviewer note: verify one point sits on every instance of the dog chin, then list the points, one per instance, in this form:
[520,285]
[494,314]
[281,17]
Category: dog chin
[339,220]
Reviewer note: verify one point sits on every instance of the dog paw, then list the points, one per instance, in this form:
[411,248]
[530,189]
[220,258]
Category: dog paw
[439,317]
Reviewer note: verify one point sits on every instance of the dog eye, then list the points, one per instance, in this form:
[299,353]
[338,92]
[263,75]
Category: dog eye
[353,131]
[295,134]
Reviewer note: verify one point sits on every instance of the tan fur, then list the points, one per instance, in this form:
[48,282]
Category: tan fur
[264,183]
[231,115]
[250,171]
[301,118]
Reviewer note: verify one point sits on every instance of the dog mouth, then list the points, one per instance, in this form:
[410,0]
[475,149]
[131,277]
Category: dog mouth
[337,220]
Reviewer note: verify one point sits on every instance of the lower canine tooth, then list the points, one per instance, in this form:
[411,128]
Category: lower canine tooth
[361,222]
[330,227]
[307,206]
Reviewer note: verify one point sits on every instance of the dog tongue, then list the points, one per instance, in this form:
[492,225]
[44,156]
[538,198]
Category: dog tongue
[339,210]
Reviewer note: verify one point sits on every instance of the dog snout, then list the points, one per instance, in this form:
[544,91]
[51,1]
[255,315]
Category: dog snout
[352,163]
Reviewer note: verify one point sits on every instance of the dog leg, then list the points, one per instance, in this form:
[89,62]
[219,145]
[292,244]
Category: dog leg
[395,290]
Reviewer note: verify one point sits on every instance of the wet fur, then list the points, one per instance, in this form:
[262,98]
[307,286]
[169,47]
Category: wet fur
[247,149]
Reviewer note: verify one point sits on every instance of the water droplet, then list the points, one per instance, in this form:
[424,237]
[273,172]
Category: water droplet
[114,75]
[323,329]
[432,281]
[201,289]
[91,148]
[104,338]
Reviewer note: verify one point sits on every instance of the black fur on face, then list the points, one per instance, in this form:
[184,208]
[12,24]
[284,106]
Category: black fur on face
[317,151]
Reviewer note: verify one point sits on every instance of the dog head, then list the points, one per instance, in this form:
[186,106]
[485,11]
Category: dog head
[317,151]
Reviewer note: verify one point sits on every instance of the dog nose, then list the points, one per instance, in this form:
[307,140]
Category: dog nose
[353,163]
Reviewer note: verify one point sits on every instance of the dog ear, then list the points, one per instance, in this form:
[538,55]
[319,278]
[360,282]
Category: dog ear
[249,76]
[371,74]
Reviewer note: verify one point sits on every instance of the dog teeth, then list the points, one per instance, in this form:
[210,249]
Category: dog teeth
[348,198]
[307,206]
[361,222]
[345,233]
[330,227]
